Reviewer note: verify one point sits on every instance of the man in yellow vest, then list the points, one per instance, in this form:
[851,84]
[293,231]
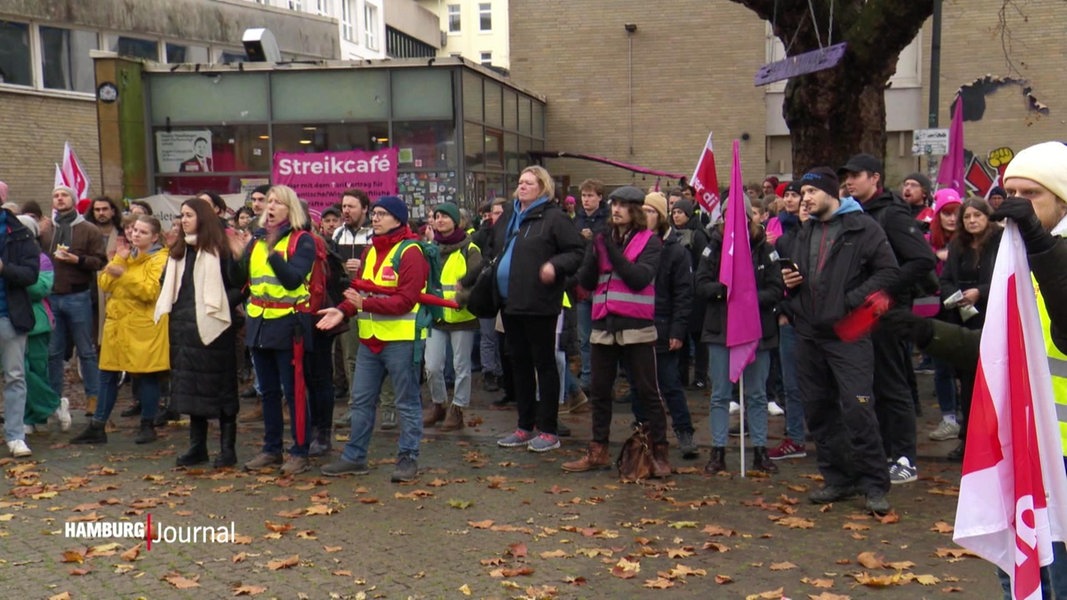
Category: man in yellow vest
[387,335]
[1036,183]
[456,328]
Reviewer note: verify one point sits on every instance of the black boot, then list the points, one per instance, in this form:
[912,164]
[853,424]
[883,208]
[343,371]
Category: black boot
[762,462]
[93,434]
[717,462]
[228,441]
[197,452]
[147,433]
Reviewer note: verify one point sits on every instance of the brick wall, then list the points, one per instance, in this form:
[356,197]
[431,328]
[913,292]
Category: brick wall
[32,131]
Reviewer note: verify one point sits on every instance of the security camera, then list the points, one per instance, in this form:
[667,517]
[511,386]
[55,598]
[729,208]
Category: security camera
[630,27]
[260,46]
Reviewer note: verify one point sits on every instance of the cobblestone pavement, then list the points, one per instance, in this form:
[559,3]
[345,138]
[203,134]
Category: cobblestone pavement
[481,521]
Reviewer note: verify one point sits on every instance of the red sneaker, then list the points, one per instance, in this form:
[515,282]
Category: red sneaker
[787,449]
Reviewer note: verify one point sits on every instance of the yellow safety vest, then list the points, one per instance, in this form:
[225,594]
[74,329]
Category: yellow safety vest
[269,299]
[387,328]
[1057,365]
[455,268]
[566,300]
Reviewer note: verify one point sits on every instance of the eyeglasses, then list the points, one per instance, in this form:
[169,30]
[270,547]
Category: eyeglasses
[379,214]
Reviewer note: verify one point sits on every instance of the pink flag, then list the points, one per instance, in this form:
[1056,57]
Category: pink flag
[706,183]
[1013,494]
[953,168]
[736,272]
[74,174]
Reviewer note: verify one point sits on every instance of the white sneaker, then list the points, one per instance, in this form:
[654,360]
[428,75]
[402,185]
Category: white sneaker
[774,410]
[734,407]
[18,449]
[63,414]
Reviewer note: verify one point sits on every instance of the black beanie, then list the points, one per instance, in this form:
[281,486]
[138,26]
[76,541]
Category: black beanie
[822,178]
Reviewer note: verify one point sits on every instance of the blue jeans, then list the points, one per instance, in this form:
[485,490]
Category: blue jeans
[754,379]
[145,390]
[585,329]
[488,346]
[74,318]
[275,371]
[945,387]
[13,362]
[396,359]
[794,406]
[437,346]
[1053,577]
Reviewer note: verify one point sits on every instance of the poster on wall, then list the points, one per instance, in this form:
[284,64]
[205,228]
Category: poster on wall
[186,151]
[319,177]
[424,190]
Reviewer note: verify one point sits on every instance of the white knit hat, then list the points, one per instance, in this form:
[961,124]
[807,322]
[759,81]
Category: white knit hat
[1045,163]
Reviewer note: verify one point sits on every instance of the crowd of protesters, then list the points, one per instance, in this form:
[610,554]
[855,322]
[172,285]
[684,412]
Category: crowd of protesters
[626,283]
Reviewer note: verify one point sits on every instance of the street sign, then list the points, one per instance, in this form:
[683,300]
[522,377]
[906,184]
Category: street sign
[801,64]
[929,142]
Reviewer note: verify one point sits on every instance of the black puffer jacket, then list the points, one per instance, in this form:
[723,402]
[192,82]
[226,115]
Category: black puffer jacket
[22,264]
[769,288]
[914,255]
[1047,268]
[546,234]
[203,379]
[674,293]
[963,272]
[859,262]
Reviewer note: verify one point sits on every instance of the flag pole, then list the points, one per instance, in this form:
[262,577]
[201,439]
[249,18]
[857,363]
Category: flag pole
[741,403]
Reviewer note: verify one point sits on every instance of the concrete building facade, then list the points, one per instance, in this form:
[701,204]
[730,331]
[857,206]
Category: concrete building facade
[48,91]
[651,95]
[478,30]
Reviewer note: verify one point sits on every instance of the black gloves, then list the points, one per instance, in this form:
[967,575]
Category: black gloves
[909,325]
[1021,211]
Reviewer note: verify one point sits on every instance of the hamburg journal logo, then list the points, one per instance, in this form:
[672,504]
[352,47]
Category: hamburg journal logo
[152,532]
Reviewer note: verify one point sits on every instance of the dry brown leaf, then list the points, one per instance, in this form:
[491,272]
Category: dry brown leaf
[60,596]
[342,573]
[684,552]
[659,583]
[870,560]
[716,530]
[723,579]
[131,554]
[942,527]
[900,565]
[80,571]
[769,595]
[181,582]
[828,596]
[797,523]
[465,589]
[626,568]
[306,535]
[332,549]
[518,549]
[954,553]
[594,552]
[486,524]
[554,554]
[74,556]
[819,583]
[239,557]
[855,527]
[879,581]
[684,571]
[284,563]
[512,572]
[716,547]
[244,540]
[927,579]
[888,518]
[575,581]
[782,566]
[248,590]
[279,527]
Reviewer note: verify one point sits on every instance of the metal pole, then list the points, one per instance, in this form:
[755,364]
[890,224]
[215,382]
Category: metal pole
[741,401]
[935,65]
[630,69]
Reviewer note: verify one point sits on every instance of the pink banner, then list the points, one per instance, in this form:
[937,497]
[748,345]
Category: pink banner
[319,177]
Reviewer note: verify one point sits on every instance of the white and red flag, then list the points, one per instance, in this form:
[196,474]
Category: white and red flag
[705,182]
[74,174]
[1013,494]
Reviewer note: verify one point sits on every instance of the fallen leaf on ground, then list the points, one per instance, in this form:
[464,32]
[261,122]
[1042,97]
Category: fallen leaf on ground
[61,596]
[878,581]
[284,563]
[682,524]
[782,566]
[518,549]
[870,560]
[659,583]
[465,589]
[486,524]
[797,523]
[554,554]
[900,565]
[626,568]
[855,527]
[828,596]
[181,582]
[684,571]
[571,579]
[73,556]
[723,579]
[942,527]
[80,571]
[954,553]
[460,504]
[679,552]
[819,583]
[248,590]
[927,579]
[279,527]
[769,594]
[131,554]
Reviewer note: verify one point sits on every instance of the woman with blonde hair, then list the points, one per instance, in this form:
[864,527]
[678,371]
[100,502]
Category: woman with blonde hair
[277,271]
[132,340]
[199,295]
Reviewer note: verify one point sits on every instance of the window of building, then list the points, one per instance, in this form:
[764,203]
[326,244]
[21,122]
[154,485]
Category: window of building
[296,5]
[65,62]
[231,149]
[370,26]
[15,53]
[455,24]
[487,59]
[136,47]
[180,53]
[348,20]
[485,16]
[332,137]
[322,8]
[230,57]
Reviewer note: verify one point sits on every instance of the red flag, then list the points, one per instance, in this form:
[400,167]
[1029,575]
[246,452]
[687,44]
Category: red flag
[743,331]
[950,173]
[706,183]
[1013,494]
[74,174]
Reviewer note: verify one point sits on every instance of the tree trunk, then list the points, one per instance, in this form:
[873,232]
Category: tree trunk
[839,112]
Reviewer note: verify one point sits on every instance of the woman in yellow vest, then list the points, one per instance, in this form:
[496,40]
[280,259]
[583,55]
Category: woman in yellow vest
[278,274]
[131,341]
[459,256]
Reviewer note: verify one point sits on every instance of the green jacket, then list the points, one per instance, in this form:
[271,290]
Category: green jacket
[42,314]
